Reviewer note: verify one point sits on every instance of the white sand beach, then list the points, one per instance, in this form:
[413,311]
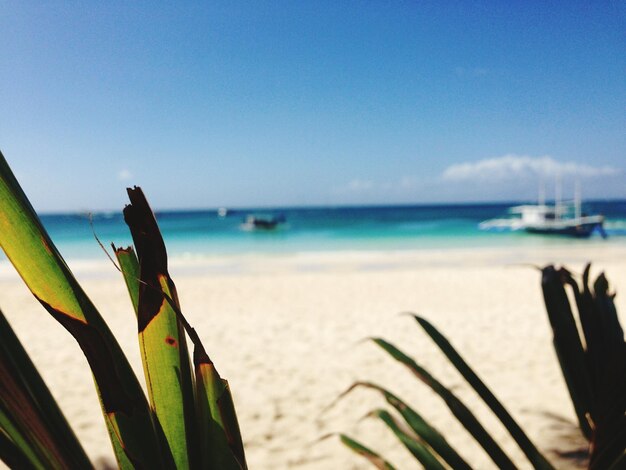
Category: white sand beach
[287,332]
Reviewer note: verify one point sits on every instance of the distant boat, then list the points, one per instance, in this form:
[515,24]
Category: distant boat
[560,219]
[253,222]
[548,220]
[222,212]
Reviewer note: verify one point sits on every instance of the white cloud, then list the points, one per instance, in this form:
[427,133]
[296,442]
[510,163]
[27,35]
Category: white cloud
[408,182]
[358,185]
[405,184]
[378,190]
[124,175]
[510,167]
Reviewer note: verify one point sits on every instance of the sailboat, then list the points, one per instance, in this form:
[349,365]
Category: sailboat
[559,219]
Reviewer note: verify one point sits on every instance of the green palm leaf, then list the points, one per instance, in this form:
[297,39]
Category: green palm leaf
[567,343]
[533,455]
[162,341]
[31,420]
[129,265]
[220,437]
[595,373]
[420,427]
[458,409]
[365,452]
[217,439]
[36,259]
[419,450]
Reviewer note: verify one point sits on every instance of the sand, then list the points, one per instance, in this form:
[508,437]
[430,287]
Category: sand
[288,333]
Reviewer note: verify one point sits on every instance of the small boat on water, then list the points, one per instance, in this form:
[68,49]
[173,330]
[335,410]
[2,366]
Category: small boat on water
[560,219]
[253,222]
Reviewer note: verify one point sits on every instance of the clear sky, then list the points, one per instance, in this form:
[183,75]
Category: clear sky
[234,103]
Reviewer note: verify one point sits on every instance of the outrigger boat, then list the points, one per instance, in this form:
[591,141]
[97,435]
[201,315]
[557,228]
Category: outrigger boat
[560,219]
[260,223]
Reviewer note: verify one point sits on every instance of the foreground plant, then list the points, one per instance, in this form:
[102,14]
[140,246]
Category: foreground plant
[428,444]
[189,420]
[593,361]
[595,375]
[34,433]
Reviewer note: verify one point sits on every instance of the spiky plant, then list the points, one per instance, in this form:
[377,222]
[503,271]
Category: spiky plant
[188,420]
[592,359]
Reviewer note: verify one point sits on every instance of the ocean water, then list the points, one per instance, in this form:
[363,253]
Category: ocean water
[204,233]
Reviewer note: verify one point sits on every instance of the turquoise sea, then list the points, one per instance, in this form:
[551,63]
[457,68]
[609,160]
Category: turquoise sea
[205,232]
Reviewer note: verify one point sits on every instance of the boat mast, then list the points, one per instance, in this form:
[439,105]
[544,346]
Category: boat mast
[557,197]
[542,193]
[577,201]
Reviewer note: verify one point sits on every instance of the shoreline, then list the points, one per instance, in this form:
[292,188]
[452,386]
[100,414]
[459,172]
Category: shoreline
[359,260]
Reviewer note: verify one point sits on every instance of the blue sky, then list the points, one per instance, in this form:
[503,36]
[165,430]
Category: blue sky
[303,103]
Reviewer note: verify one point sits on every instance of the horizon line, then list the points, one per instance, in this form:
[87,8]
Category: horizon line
[327,206]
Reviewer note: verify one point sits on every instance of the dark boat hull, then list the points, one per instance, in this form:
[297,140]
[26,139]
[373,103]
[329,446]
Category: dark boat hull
[578,231]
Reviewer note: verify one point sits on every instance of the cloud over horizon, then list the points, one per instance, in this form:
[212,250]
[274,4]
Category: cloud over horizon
[511,166]
[124,175]
[509,177]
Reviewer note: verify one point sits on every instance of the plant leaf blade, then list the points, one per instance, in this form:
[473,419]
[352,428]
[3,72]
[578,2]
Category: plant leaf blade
[372,457]
[419,451]
[29,248]
[162,341]
[422,428]
[529,449]
[458,409]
